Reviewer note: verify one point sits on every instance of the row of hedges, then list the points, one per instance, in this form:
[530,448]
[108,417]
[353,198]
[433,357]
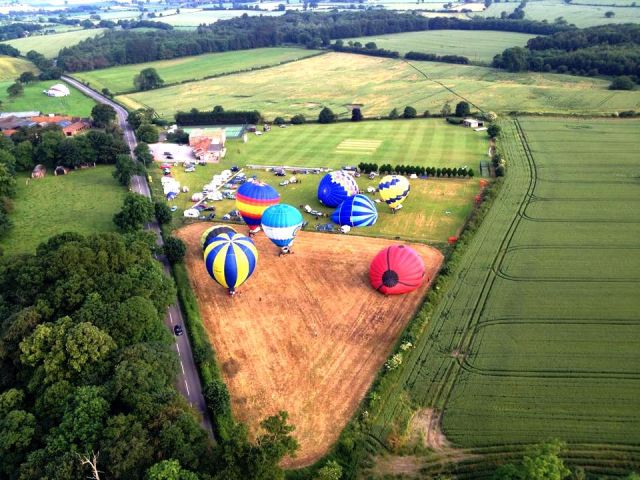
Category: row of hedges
[217,117]
[417,170]
[432,57]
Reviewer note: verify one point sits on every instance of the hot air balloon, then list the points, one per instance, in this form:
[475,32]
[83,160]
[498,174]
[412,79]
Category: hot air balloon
[393,190]
[212,232]
[396,269]
[280,224]
[356,211]
[336,187]
[230,259]
[252,199]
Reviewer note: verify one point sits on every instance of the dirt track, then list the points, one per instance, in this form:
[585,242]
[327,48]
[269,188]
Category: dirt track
[306,333]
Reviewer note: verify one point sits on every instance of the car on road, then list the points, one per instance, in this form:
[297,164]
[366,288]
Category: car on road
[178,330]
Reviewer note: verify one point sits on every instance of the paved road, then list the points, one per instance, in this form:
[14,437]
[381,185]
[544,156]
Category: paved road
[188,382]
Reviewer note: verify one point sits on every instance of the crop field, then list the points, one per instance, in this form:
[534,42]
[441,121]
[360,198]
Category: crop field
[120,79]
[50,45]
[11,68]
[435,209]
[83,201]
[76,104]
[578,13]
[380,84]
[195,18]
[477,45]
[538,335]
[306,333]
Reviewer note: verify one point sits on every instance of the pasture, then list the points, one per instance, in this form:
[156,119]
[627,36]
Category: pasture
[435,209]
[479,46]
[50,45]
[76,104]
[11,68]
[306,333]
[193,18]
[120,79]
[83,201]
[582,14]
[537,336]
[380,84]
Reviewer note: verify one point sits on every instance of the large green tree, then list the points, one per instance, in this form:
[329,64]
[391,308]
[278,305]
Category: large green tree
[147,79]
[102,115]
[136,211]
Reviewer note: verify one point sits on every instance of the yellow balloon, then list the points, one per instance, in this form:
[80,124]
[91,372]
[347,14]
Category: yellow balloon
[394,189]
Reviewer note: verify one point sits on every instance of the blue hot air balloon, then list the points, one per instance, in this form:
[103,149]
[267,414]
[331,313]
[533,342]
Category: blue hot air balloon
[280,223]
[336,187]
[230,259]
[356,211]
[212,232]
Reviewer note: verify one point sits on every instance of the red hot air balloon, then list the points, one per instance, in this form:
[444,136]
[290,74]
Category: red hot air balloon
[396,269]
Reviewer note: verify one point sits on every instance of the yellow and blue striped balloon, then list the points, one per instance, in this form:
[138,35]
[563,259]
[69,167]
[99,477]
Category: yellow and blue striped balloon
[394,190]
[230,259]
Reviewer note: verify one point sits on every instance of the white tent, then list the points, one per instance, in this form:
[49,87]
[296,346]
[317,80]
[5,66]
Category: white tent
[58,90]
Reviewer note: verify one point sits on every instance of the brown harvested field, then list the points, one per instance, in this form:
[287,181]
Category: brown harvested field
[306,333]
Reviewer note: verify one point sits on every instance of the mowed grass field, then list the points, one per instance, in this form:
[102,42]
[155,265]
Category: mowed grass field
[11,67]
[339,80]
[50,45]
[538,335]
[477,45]
[434,210]
[83,201]
[75,104]
[120,79]
[578,13]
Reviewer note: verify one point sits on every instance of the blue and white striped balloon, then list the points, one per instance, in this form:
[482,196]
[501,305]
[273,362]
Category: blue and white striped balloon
[356,211]
[280,223]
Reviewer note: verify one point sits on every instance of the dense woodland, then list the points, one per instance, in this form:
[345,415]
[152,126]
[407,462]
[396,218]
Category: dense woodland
[308,29]
[17,30]
[602,50]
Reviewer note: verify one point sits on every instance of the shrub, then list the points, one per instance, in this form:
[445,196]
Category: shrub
[326,116]
[298,119]
[622,83]
[217,397]
[409,112]
[463,109]
[356,115]
[174,249]
[393,114]
[163,212]
[279,121]
[493,131]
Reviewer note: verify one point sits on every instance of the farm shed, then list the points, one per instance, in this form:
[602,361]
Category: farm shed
[472,123]
[39,171]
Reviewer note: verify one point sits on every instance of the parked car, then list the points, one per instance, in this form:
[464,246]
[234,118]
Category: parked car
[174,208]
[280,172]
[283,126]
[211,216]
[284,183]
[235,168]
[209,209]
[258,132]
[178,330]
[189,169]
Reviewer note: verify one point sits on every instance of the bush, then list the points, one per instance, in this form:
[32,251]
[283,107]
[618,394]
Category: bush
[463,109]
[393,114]
[493,131]
[409,112]
[147,133]
[622,83]
[217,117]
[298,119]
[163,212]
[356,115]
[326,116]
[279,121]
[174,249]
[217,397]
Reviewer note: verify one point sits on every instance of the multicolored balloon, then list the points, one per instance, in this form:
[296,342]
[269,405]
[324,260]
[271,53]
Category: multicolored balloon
[252,199]
[212,232]
[356,211]
[336,187]
[230,259]
[281,223]
[396,269]
[394,190]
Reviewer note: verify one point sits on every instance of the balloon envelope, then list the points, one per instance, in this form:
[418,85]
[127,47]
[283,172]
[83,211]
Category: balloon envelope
[281,223]
[212,232]
[336,187]
[394,189]
[396,269]
[252,199]
[356,211]
[230,259]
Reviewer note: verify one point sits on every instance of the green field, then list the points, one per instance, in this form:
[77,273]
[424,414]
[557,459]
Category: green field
[538,335]
[120,79]
[579,14]
[76,104]
[11,68]
[380,84]
[477,45]
[434,210]
[195,18]
[83,201]
[50,45]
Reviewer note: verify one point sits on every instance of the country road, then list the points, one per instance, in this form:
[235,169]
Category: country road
[188,381]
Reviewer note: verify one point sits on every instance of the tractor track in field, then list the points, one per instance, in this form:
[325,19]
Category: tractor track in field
[556,321]
[471,327]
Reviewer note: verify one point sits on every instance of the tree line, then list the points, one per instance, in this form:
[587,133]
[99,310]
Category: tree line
[602,50]
[312,30]
[440,172]
[17,30]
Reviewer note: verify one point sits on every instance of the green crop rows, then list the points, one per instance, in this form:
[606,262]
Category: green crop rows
[538,335]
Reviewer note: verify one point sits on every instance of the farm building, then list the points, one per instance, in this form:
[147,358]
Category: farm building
[19,114]
[57,90]
[208,144]
[472,123]
[39,171]
[9,124]
[70,125]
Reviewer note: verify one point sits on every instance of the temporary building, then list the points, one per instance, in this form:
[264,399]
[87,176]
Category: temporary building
[60,170]
[39,171]
[58,90]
